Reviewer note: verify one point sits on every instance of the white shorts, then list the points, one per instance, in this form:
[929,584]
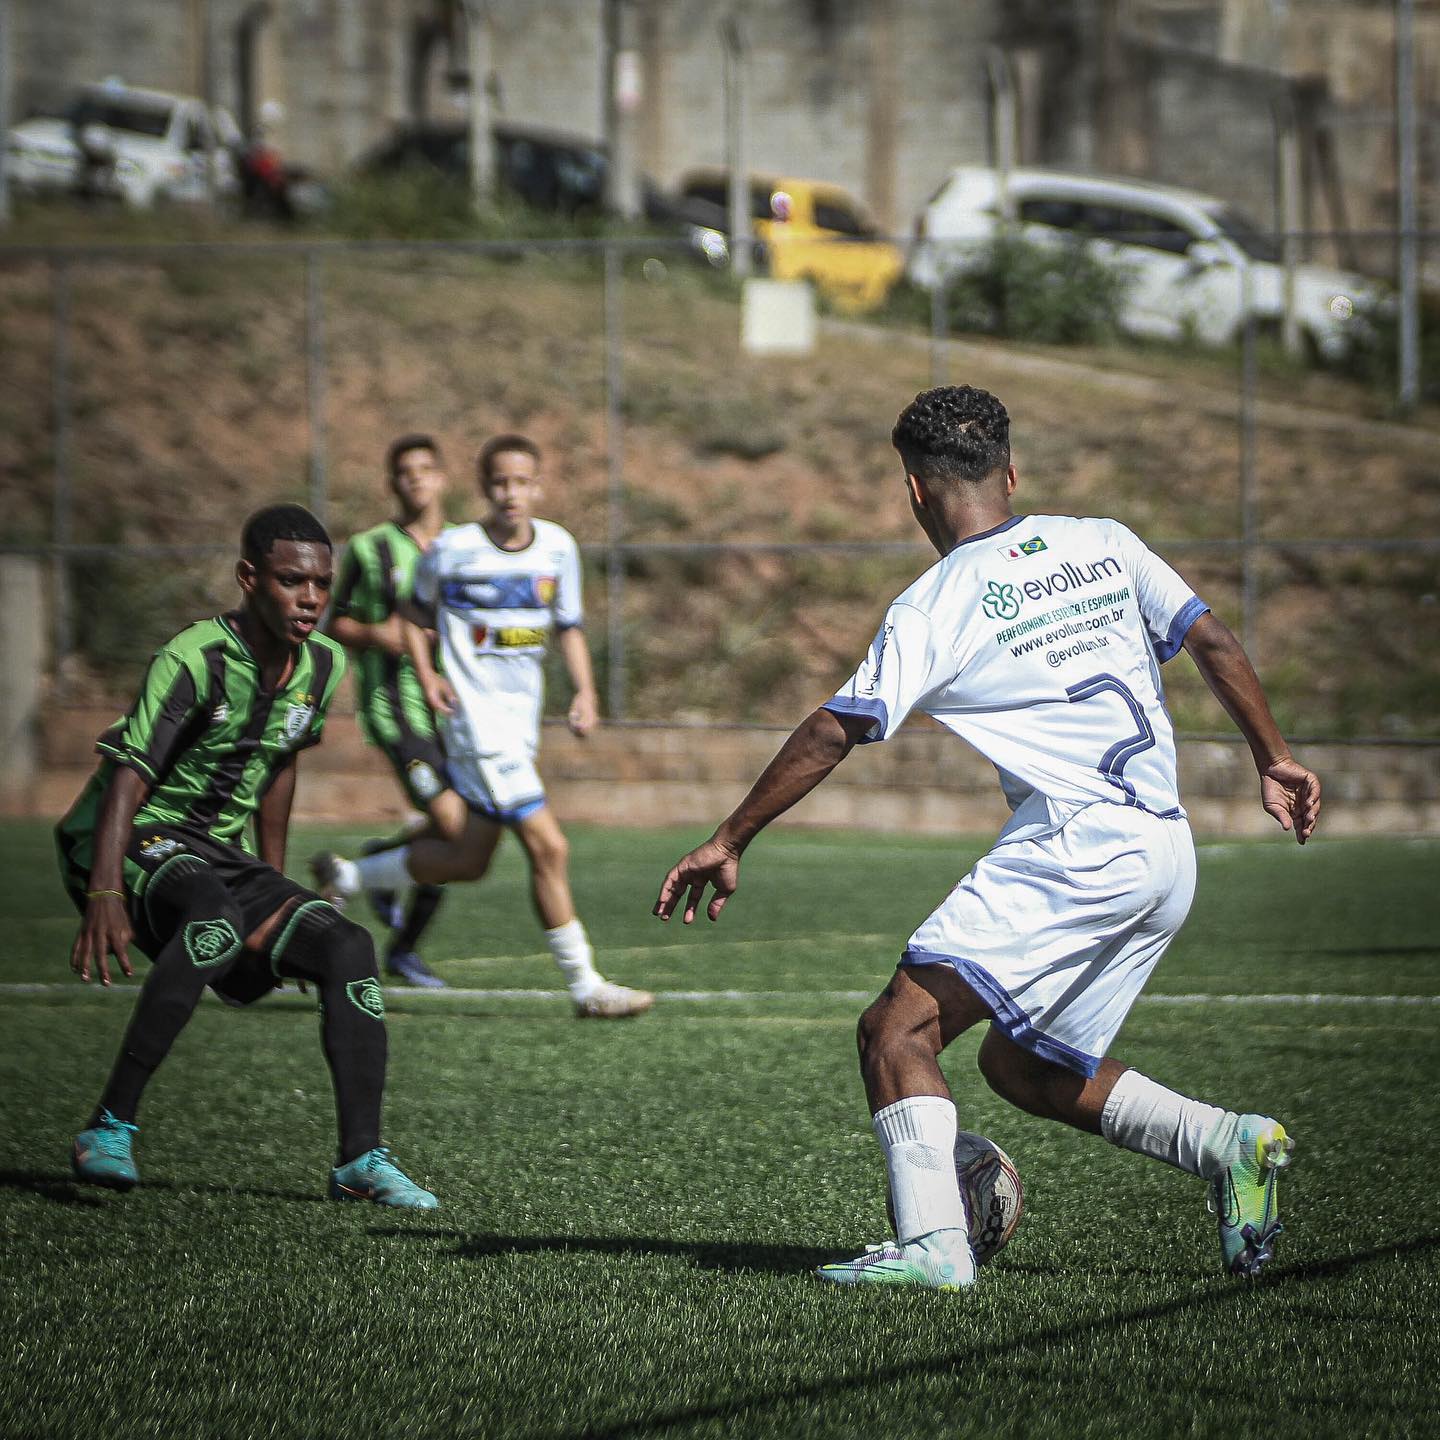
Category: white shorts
[1058,934]
[505,788]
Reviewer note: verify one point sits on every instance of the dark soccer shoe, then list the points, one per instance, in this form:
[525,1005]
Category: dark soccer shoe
[413,970]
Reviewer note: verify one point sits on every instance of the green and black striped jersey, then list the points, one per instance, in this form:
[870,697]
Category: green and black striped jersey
[378,571]
[205,737]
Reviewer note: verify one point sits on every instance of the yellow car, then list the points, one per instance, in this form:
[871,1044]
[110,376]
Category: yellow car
[810,230]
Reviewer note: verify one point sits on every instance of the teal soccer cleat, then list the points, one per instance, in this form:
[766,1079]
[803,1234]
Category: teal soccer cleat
[101,1154]
[942,1260]
[1243,1195]
[374,1176]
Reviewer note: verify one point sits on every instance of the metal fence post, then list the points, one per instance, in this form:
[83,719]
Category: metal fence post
[615,511]
[1248,527]
[939,334]
[61,527]
[315,380]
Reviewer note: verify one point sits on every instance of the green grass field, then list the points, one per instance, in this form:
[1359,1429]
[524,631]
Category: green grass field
[630,1211]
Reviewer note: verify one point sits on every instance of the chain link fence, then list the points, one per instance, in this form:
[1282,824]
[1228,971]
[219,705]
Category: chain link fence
[742,517]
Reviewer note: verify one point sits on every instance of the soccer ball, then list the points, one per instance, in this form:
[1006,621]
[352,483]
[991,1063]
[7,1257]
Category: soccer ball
[994,1197]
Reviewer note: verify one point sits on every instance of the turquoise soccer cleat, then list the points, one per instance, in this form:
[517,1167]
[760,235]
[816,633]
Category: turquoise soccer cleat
[1243,1195]
[374,1176]
[942,1260]
[102,1155]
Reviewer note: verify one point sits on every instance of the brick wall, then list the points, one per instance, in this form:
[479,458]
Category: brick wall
[922,782]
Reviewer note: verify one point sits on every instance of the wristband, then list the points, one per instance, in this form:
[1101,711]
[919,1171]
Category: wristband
[96,894]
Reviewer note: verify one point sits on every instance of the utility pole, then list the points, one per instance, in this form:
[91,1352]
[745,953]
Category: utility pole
[737,140]
[4,109]
[621,79]
[482,159]
[1408,394]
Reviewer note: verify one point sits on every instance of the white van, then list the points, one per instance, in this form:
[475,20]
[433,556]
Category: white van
[1185,254]
[144,145]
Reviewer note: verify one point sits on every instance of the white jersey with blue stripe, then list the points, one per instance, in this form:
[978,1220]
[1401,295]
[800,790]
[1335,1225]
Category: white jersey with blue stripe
[1040,643]
[495,611]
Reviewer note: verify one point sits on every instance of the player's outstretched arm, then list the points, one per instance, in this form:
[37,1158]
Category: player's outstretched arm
[105,926]
[817,745]
[272,819]
[439,692]
[1288,791]
[584,714]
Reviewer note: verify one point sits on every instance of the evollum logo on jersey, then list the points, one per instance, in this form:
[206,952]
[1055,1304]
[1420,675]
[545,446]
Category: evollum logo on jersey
[1033,546]
[367,996]
[1001,601]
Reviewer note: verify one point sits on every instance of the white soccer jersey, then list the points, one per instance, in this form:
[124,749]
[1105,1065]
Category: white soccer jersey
[1040,642]
[495,611]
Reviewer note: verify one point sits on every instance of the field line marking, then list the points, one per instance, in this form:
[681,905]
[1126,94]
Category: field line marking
[705,996]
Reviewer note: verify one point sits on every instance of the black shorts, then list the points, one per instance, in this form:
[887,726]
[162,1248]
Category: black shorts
[419,765]
[257,889]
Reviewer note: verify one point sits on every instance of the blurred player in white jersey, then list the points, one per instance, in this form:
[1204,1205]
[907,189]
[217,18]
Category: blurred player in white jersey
[493,592]
[1038,639]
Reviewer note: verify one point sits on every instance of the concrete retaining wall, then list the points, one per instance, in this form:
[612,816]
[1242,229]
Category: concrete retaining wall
[922,782]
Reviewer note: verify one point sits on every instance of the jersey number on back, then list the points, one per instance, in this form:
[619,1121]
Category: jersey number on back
[1113,761]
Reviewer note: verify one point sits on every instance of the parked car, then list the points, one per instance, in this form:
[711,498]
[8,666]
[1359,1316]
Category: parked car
[805,229]
[136,145]
[547,169]
[1185,253]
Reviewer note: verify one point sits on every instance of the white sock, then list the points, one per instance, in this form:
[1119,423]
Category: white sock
[384,870]
[1145,1117]
[570,946]
[917,1135]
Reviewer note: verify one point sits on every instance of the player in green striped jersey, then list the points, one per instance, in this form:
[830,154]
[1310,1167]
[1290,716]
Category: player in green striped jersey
[156,852]
[376,575]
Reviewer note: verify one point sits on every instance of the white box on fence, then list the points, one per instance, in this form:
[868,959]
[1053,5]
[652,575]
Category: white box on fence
[777,317]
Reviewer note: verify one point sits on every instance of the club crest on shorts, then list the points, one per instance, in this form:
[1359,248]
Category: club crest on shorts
[210,942]
[298,718]
[157,847]
[423,779]
[367,996]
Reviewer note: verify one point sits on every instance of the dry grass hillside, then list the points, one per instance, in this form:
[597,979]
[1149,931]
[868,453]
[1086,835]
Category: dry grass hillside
[188,389]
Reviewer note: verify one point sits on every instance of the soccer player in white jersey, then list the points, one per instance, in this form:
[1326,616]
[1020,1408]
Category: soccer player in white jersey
[1039,640]
[493,592]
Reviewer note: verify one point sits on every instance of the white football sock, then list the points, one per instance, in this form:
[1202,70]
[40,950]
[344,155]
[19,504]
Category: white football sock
[1145,1117]
[917,1135]
[570,946]
[384,870]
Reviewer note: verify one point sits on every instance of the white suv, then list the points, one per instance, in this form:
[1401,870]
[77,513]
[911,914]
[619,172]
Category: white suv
[139,145]
[1185,254]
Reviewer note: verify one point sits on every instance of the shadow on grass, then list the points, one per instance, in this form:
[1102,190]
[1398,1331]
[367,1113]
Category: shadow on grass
[707,1254]
[1008,1353]
[62,1190]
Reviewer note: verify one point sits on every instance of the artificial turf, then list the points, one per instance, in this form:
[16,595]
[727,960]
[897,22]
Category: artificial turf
[631,1211]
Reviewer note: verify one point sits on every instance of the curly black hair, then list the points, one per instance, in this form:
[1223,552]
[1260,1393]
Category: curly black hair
[953,432]
[280,522]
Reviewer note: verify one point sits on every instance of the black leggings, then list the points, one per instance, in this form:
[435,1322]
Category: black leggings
[315,943]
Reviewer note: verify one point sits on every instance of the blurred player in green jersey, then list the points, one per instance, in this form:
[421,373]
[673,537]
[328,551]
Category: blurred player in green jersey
[156,852]
[376,576]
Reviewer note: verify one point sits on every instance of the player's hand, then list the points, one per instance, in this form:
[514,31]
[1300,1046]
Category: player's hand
[584,713]
[440,695]
[1291,793]
[104,931]
[709,864]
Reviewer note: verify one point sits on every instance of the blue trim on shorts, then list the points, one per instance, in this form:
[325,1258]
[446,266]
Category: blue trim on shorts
[512,816]
[854,705]
[1187,615]
[1008,1016]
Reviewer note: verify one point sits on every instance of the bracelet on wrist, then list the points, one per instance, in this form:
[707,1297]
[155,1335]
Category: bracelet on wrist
[96,894]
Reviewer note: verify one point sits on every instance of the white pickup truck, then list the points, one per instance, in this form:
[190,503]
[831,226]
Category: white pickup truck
[137,145]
